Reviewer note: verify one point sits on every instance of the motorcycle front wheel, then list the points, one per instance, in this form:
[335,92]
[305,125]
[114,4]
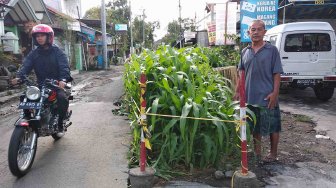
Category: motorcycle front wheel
[22,150]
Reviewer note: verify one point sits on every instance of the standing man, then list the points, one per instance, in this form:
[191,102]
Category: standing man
[262,66]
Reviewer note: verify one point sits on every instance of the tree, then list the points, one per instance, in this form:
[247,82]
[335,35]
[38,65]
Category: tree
[149,32]
[175,30]
[173,33]
[118,12]
[92,13]
[188,24]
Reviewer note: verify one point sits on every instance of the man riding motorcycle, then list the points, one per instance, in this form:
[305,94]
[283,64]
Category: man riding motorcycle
[48,62]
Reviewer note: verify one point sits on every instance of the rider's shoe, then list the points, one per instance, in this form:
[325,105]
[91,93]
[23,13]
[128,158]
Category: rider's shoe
[60,134]
[60,131]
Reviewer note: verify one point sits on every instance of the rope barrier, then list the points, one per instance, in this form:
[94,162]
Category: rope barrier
[195,118]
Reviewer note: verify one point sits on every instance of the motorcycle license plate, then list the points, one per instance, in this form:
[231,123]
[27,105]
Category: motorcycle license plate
[30,105]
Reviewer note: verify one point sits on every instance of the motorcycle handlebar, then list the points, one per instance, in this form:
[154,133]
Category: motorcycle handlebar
[55,83]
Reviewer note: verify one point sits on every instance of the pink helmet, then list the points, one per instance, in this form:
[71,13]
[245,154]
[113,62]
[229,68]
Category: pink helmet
[43,28]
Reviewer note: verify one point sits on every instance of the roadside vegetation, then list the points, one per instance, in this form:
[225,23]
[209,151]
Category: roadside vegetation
[183,83]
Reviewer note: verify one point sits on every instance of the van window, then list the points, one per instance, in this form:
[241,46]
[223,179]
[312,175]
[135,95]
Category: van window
[273,40]
[307,42]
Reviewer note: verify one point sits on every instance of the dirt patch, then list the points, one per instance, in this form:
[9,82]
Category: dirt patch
[297,144]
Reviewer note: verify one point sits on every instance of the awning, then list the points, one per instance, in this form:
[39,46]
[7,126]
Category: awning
[27,10]
[94,23]
[308,11]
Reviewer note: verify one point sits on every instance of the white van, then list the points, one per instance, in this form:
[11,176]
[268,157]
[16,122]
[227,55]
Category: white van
[308,55]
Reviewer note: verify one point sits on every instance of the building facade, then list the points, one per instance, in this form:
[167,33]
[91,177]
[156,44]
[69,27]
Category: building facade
[68,7]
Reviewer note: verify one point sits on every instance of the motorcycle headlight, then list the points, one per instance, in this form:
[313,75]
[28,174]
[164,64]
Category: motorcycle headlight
[33,93]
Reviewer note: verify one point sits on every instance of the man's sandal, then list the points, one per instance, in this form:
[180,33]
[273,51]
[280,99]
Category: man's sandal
[269,159]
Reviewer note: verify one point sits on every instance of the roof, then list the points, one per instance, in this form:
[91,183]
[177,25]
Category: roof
[94,23]
[57,13]
[303,9]
[300,26]
[67,21]
[21,11]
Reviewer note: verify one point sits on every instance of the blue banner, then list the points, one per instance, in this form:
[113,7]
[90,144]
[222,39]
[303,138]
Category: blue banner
[266,10]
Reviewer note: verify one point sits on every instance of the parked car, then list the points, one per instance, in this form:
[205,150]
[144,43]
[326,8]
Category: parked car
[308,56]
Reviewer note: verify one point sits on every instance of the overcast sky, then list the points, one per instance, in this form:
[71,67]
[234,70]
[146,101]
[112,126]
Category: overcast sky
[163,11]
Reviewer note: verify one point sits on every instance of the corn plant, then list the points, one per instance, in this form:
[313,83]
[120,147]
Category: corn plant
[222,56]
[182,83]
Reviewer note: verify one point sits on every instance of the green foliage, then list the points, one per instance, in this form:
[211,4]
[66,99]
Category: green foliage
[222,56]
[174,30]
[149,28]
[182,82]
[303,118]
[173,33]
[118,12]
[93,13]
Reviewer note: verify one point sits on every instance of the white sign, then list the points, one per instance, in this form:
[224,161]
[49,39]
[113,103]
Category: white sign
[74,26]
[248,6]
[226,21]
[120,27]
[220,23]
[231,25]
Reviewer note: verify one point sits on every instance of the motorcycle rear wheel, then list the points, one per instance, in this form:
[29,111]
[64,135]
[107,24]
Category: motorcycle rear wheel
[22,150]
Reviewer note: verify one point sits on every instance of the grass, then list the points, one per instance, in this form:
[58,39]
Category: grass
[303,118]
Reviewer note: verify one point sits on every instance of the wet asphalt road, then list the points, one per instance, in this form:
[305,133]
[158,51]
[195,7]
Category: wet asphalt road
[93,151]
[304,102]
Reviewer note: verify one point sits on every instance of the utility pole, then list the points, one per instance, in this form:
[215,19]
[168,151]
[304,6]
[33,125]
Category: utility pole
[131,30]
[143,27]
[284,13]
[103,22]
[180,20]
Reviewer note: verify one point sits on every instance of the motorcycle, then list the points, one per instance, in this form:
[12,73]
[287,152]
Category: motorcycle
[38,118]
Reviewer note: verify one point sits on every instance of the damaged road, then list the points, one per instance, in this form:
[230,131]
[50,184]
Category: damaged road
[307,143]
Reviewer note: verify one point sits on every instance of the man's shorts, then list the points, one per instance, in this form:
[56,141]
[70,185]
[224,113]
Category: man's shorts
[267,120]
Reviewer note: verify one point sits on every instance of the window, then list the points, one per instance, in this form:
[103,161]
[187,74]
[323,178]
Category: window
[307,42]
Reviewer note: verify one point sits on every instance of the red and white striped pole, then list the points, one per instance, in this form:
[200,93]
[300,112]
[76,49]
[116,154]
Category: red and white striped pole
[242,97]
[143,119]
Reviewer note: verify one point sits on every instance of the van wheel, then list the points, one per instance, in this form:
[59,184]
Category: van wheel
[324,93]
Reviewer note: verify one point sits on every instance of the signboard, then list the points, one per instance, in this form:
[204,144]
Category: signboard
[225,24]
[74,26]
[212,33]
[231,25]
[90,32]
[266,10]
[120,27]
[220,10]
[188,35]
